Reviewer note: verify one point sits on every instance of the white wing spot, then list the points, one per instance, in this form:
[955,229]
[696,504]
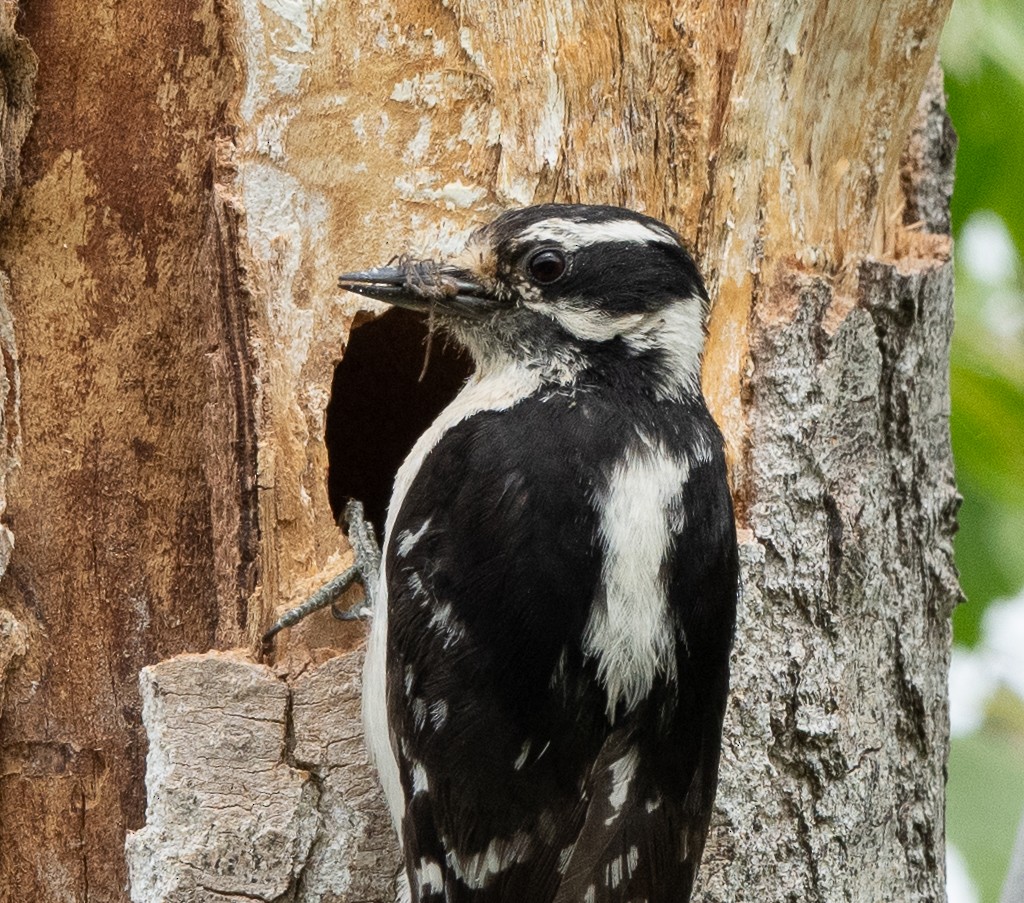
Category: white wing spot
[443,620]
[591,895]
[438,713]
[415,584]
[419,714]
[623,771]
[429,877]
[502,852]
[523,754]
[614,872]
[420,781]
[407,539]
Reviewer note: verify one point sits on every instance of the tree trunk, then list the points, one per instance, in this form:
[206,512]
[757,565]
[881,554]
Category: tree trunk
[186,398]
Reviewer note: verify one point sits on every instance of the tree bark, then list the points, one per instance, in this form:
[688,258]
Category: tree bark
[180,375]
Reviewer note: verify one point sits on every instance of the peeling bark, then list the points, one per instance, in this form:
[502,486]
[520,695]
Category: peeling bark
[198,173]
[230,415]
[17,81]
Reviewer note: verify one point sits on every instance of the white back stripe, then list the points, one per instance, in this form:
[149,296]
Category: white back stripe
[590,324]
[631,634]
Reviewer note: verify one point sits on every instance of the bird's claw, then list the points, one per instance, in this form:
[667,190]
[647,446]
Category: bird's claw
[365,569]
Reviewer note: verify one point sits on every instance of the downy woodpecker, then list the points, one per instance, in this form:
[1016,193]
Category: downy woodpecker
[549,657]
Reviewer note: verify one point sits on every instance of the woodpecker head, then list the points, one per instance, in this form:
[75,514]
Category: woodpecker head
[560,287]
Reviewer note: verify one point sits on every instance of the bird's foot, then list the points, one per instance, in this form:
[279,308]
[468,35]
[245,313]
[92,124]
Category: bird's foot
[365,569]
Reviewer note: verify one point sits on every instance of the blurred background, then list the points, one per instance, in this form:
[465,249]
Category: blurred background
[983,55]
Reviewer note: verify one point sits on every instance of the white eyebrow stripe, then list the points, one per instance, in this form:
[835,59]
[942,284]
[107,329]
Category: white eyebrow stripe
[574,235]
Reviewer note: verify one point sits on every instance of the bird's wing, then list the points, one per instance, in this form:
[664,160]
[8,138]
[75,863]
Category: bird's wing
[652,787]
[491,567]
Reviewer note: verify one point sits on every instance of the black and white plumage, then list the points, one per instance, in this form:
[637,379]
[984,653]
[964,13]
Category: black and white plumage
[548,664]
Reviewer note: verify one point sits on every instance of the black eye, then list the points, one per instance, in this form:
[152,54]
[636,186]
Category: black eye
[547,266]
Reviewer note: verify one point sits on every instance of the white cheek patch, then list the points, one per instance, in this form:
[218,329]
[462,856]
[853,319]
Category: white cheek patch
[572,235]
[677,330]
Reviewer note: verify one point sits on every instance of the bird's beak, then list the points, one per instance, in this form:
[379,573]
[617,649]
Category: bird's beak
[423,285]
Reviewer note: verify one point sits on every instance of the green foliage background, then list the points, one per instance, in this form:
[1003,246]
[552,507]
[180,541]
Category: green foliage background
[983,54]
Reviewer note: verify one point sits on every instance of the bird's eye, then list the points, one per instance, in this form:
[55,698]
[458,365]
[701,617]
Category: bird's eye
[546,266]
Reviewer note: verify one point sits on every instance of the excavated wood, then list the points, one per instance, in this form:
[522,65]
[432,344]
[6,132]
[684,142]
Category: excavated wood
[763,132]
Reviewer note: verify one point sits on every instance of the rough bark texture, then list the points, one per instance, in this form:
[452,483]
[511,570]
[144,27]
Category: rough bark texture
[17,81]
[256,790]
[839,714]
[224,805]
[197,174]
[834,771]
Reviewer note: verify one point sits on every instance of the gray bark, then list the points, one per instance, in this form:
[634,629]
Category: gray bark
[258,789]
[833,780]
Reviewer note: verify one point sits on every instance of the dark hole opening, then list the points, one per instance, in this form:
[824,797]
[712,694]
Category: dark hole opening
[379,408]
